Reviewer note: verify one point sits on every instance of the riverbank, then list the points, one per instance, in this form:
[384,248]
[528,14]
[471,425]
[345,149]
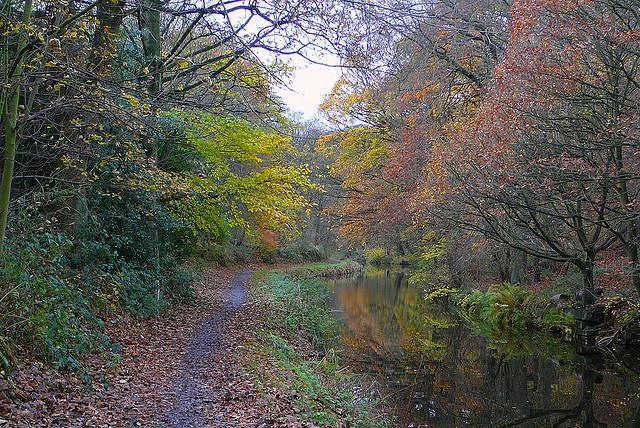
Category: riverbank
[298,346]
[609,326]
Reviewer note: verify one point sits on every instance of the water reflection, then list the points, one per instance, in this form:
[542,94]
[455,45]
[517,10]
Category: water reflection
[439,373]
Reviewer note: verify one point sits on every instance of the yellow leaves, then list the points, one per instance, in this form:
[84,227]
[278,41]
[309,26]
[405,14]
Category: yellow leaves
[133,101]
[245,167]
[345,101]
[359,150]
[429,89]
[181,62]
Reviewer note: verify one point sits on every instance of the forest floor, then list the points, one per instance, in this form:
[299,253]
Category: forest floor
[189,367]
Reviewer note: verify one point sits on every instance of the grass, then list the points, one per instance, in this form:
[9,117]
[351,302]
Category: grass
[328,269]
[302,343]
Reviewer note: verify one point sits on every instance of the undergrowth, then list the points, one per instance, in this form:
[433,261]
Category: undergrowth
[58,288]
[328,269]
[44,307]
[303,306]
[378,256]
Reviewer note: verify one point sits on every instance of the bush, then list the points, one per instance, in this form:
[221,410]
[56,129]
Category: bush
[501,306]
[514,323]
[568,282]
[325,270]
[56,289]
[44,306]
[377,256]
[302,252]
[224,253]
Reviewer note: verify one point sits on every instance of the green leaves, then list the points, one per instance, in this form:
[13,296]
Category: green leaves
[241,177]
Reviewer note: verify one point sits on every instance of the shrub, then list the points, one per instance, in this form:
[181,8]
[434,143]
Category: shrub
[501,305]
[43,306]
[56,289]
[224,253]
[441,293]
[505,315]
[301,252]
[377,256]
[266,253]
[325,270]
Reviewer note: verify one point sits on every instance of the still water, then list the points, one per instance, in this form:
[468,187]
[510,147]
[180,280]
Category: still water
[437,371]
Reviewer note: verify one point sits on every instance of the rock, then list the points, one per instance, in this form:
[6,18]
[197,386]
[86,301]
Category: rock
[559,300]
[587,296]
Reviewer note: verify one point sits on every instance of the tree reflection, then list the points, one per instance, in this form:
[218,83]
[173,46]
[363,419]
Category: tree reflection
[439,371]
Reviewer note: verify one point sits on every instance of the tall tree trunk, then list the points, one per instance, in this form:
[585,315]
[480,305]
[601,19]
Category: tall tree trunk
[149,22]
[399,245]
[587,277]
[503,260]
[631,247]
[632,252]
[587,294]
[109,14]
[10,105]
[150,30]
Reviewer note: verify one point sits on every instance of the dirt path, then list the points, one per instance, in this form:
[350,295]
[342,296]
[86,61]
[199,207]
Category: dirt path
[181,369]
[194,389]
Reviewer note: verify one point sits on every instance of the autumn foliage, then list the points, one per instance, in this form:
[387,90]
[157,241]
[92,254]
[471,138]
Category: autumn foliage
[527,135]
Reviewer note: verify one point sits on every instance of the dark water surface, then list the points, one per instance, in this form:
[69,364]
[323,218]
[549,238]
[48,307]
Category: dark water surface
[439,372]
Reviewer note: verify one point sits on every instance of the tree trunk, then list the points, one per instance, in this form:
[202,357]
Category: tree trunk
[587,277]
[632,252]
[150,33]
[150,29]
[10,105]
[400,246]
[587,294]
[518,267]
[631,246]
[503,260]
[109,15]
[537,270]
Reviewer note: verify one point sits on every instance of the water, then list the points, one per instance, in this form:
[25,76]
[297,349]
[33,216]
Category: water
[436,371]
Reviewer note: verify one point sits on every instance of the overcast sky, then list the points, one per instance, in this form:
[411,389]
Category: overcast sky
[308,87]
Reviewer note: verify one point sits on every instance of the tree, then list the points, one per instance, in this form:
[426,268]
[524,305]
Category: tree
[540,167]
[9,103]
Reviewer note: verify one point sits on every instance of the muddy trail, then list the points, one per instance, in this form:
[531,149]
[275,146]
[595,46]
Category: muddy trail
[195,390]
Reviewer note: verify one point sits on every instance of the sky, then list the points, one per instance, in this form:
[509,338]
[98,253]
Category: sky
[308,86]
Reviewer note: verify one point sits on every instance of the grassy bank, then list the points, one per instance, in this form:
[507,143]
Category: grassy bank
[299,341]
[328,269]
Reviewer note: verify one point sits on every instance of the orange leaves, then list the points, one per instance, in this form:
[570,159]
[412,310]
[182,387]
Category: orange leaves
[429,89]
[268,237]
